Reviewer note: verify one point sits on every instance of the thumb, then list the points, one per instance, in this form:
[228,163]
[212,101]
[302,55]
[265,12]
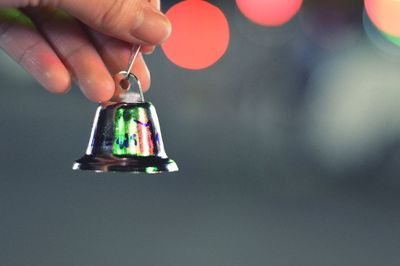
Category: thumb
[128,20]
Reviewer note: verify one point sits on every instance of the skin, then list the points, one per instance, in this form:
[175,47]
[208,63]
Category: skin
[57,41]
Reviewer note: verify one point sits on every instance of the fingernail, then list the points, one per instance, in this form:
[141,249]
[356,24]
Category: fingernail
[155,27]
[148,50]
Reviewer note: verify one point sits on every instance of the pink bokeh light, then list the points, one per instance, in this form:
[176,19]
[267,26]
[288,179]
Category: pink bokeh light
[269,12]
[200,34]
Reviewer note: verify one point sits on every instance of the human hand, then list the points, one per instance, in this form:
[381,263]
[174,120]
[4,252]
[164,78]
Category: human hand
[57,40]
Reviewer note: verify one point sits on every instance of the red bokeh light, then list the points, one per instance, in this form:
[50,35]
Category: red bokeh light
[200,34]
[385,14]
[269,12]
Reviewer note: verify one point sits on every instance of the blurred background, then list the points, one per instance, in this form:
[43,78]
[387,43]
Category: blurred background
[288,148]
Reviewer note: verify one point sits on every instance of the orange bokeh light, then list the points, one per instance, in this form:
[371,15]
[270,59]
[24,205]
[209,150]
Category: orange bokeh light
[269,12]
[385,14]
[200,34]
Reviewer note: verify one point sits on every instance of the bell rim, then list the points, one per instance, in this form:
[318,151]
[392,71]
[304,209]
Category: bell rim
[133,164]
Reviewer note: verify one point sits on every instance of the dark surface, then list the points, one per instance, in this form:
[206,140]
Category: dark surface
[251,190]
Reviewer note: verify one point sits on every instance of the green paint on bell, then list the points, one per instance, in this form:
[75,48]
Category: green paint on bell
[133,134]
[152,170]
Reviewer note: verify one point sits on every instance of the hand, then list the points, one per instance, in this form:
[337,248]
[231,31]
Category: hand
[86,39]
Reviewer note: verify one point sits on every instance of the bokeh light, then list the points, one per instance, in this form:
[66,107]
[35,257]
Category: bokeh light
[352,108]
[269,12]
[388,44]
[385,14]
[264,37]
[200,34]
[393,39]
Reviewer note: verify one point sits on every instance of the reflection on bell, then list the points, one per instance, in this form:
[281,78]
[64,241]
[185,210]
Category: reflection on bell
[126,137]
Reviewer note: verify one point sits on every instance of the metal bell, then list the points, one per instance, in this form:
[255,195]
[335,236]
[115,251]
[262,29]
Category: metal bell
[126,136]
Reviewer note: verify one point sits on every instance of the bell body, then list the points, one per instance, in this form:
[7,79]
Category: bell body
[126,137]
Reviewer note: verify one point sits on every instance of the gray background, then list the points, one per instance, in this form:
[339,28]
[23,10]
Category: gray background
[288,151]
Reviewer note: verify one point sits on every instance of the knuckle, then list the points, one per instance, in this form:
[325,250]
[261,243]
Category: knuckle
[110,17]
[28,51]
[76,50]
[120,13]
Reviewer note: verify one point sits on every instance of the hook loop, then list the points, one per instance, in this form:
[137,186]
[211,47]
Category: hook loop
[125,83]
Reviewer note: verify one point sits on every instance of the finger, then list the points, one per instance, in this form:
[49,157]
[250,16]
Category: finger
[124,19]
[116,53]
[25,45]
[75,49]
[155,3]
[150,48]
[146,48]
